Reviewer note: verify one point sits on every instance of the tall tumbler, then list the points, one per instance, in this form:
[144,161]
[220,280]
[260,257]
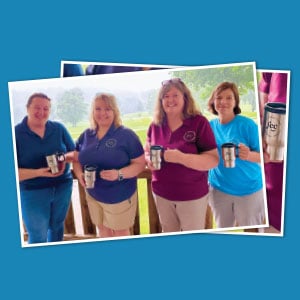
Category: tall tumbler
[155,156]
[274,130]
[56,162]
[52,163]
[89,176]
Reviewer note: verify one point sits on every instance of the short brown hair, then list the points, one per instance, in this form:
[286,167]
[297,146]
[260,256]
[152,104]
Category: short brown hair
[219,89]
[36,95]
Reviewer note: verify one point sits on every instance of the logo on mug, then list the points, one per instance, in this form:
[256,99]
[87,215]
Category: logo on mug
[274,130]
[272,126]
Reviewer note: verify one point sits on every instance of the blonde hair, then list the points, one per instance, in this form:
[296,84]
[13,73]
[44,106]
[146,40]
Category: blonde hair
[111,102]
[190,107]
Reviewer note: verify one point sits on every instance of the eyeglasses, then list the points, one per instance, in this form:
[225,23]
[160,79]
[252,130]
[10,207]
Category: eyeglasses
[172,80]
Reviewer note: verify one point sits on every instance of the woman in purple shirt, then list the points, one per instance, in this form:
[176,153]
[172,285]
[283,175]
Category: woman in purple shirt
[180,186]
[273,88]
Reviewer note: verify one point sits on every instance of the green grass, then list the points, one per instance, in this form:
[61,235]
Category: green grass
[138,124]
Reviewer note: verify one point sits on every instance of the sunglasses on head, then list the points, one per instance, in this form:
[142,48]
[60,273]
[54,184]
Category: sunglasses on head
[172,80]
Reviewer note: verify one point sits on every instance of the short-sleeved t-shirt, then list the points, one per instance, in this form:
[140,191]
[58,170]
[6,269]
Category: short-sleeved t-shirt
[246,177]
[32,151]
[174,181]
[114,151]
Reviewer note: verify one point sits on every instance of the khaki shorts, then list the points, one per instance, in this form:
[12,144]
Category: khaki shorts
[118,216]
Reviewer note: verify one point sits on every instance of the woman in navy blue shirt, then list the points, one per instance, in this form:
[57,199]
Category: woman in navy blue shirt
[45,197]
[118,156]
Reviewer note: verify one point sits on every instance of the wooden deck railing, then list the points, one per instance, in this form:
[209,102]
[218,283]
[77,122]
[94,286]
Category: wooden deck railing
[89,230]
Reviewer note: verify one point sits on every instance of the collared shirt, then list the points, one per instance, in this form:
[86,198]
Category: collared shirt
[32,151]
[175,181]
[114,151]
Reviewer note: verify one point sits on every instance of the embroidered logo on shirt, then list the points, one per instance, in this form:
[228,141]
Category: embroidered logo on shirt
[189,136]
[111,143]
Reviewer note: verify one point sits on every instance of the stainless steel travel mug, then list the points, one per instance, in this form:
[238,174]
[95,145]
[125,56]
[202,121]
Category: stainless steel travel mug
[229,154]
[89,176]
[274,129]
[52,163]
[155,156]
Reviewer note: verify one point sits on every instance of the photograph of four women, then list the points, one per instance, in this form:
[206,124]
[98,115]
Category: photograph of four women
[200,162]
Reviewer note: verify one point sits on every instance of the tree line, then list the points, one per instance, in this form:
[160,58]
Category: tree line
[72,106]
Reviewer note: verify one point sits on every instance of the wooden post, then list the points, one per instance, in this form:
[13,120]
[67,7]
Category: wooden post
[135,230]
[25,235]
[88,226]
[69,221]
[209,218]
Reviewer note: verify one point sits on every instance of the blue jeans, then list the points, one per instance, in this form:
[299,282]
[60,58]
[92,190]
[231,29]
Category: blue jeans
[44,212]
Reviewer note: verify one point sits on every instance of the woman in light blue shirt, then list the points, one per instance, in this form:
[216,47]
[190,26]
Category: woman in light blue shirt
[236,192]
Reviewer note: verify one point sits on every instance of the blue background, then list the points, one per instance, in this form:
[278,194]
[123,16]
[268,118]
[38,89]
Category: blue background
[36,36]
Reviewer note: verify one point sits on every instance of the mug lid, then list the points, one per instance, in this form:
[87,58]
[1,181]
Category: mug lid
[90,167]
[276,107]
[156,147]
[227,145]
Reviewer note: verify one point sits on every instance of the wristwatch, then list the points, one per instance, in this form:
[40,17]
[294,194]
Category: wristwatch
[120,175]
